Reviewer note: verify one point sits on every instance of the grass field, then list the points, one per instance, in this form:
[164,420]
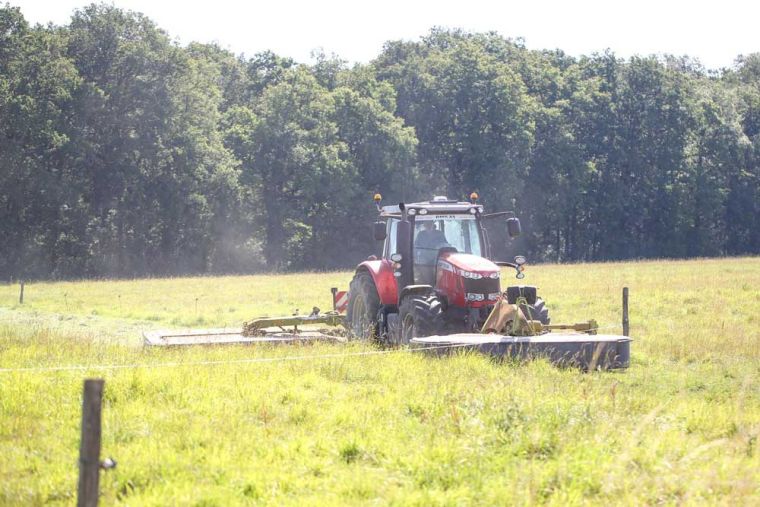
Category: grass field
[681,426]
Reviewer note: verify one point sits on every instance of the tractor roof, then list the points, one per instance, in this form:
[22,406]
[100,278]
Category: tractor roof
[437,205]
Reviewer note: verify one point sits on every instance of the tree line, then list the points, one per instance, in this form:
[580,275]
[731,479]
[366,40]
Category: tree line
[123,153]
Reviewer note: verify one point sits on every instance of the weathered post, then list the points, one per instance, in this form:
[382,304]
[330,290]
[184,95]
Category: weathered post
[626,326]
[89,448]
[21,293]
[334,291]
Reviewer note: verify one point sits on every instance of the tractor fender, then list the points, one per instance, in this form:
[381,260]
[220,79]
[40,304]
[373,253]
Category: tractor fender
[415,290]
[381,271]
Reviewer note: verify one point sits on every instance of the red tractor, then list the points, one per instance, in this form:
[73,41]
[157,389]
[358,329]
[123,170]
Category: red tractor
[438,273]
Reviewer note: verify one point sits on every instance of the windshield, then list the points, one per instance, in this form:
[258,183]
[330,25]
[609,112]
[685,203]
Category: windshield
[435,232]
[431,233]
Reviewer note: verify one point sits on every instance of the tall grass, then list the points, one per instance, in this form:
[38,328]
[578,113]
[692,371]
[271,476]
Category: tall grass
[680,426]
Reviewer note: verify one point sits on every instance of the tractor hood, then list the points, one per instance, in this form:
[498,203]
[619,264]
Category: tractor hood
[467,262]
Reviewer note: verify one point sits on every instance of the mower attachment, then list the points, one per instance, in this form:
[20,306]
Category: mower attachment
[509,333]
[587,352]
[257,327]
[176,338]
[271,330]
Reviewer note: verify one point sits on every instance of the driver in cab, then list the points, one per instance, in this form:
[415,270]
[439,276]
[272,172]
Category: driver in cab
[426,245]
[430,237]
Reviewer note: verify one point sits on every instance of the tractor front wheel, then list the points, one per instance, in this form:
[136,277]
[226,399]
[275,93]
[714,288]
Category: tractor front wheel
[363,307]
[537,311]
[420,316]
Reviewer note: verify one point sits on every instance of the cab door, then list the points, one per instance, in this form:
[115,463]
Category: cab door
[499,246]
[390,240]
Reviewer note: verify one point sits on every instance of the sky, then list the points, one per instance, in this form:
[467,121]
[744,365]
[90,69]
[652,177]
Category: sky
[713,32]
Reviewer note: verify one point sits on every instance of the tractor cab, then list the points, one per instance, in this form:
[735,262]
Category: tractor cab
[431,232]
[438,272]
[436,227]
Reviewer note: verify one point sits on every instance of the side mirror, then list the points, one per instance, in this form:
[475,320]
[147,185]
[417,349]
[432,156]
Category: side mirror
[513,227]
[379,231]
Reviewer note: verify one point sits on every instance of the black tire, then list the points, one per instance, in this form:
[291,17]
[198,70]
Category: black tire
[363,307]
[537,311]
[420,315]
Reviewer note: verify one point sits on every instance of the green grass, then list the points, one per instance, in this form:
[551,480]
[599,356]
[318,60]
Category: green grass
[680,426]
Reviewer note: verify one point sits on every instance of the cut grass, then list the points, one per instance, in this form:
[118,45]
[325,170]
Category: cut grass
[680,426]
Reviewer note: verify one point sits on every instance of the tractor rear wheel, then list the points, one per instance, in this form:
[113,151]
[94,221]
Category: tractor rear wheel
[420,315]
[363,307]
[537,311]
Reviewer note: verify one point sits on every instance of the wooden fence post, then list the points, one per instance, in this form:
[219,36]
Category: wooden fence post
[21,294]
[626,325]
[89,448]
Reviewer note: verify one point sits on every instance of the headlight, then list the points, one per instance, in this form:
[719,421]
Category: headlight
[495,275]
[474,297]
[472,275]
[396,257]
[412,211]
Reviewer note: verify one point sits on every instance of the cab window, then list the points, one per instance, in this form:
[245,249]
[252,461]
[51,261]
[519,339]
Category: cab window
[391,239]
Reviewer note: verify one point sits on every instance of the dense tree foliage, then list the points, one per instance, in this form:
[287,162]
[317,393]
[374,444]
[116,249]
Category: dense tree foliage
[123,153]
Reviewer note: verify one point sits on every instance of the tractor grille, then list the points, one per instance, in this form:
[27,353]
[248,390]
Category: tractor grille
[483,286]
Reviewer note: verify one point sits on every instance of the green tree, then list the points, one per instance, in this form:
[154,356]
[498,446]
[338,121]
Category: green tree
[289,149]
[158,173]
[40,201]
[470,111]
[311,156]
